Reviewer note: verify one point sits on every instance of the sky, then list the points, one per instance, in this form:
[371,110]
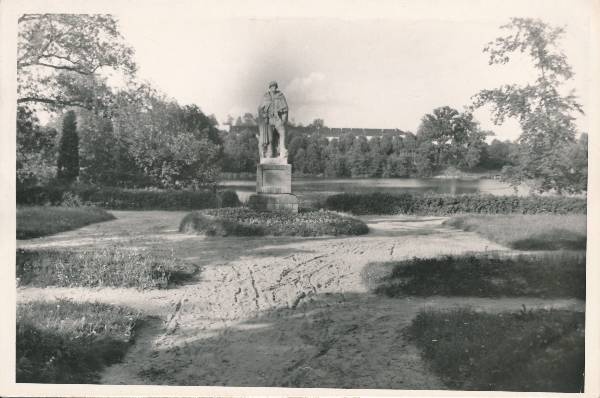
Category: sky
[374,71]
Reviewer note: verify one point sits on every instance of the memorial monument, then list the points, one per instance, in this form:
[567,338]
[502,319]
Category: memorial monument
[273,173]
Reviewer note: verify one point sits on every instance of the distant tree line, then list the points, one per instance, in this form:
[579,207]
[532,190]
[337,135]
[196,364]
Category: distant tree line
[445,138]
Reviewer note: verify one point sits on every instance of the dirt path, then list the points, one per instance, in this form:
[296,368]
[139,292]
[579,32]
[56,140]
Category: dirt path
[276,311]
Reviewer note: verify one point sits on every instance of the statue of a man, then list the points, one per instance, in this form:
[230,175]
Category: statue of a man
[272,117]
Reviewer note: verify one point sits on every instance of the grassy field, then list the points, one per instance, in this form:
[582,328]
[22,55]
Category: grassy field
[528,232]
[525,351]
[70,342]
[243,221]
[36,221]
[550,275]
[116,267]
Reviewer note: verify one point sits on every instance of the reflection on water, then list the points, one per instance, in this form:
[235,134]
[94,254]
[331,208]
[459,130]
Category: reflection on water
[309,189]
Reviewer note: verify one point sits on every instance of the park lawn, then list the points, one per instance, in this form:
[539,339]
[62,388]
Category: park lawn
[480,275]
[530,350]
[36,221]
[70,342]
[112,266]
[528,231]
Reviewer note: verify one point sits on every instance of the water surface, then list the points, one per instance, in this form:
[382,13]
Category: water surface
[309,189]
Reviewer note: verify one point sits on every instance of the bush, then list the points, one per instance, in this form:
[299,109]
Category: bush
[246,222]
[529,350]
[229,198]
[127,199]
[404,203]
[481,276]
[101,267]
[528,232]
[69,342]
[33,222]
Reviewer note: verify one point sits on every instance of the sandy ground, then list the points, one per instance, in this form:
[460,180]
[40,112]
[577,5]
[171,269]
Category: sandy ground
[275,311]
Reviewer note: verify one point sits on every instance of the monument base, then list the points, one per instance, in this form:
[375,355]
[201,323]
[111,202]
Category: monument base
[274,202]
[274,177]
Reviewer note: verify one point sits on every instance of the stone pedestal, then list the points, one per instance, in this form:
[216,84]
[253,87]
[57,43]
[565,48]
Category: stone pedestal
[274,202]
[274,188]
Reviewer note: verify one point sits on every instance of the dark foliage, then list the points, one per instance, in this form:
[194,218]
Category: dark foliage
[384,203]
[127,199]
[68,149]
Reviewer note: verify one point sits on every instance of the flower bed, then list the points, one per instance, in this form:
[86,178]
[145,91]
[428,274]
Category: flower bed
[242,221]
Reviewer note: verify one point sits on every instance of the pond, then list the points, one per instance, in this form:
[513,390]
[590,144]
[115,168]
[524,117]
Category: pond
[309,189]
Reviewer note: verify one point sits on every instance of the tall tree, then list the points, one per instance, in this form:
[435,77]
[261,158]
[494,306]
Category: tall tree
[68,149]
[545,114]
[70,45]
[451,137]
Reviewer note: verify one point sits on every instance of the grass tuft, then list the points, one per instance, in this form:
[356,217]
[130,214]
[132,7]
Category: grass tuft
[530,350]
[528,232]
[36,221]
[69,342]
[246,222]
[114,267]
[561,275]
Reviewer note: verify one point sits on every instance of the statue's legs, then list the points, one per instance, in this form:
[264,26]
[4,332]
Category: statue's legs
[270,132]
[281,143]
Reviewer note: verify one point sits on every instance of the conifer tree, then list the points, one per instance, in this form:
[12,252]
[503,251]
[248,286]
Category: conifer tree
[68,149]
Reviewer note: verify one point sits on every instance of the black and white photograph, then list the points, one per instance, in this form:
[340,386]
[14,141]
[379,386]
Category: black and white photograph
[355,197]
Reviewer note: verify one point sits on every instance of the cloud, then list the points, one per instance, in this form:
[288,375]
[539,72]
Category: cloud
[308,90]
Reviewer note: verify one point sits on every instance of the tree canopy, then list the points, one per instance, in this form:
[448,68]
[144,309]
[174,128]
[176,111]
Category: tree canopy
[455,138]
[545,113]
[56,49]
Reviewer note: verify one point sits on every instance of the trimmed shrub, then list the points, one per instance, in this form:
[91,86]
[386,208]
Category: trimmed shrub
[243,221]
[229,198]
[404,203]
[127,199]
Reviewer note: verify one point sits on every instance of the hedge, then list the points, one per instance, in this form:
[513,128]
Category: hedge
[405,203]
[127,199]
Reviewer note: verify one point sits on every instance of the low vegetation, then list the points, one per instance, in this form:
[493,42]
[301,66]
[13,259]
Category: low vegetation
[561,275]
[70,342]
[405,203]
[530,350]
[127,199]
[528,232]
[36,221]
[246,222]
[112,267]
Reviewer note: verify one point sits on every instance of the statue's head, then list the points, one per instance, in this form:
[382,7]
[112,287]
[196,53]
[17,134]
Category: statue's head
[273,86]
